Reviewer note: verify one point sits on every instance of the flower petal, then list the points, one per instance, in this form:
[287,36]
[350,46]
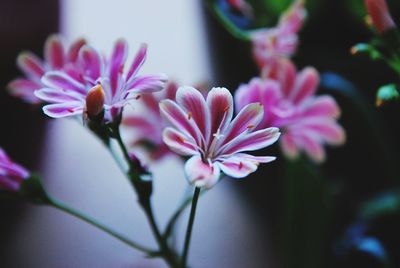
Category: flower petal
[306,84]
[177,118]
[195,107]
[179,142]
[247,119]
[90,61]
[3,156]
[252,141]
[54,52]
[117,61]
[7,184]
[322,106]
[293,18]
[289,146]
[24,89]
[266,91]
[313,147]
[201,174]
[326,129]
[73,51]
[57,95]
[285,72]
[64,109]
[137,62]
[146,125]
[31,65]
[220,104]
[170,90]
[60,80]
[257,159]
[237,167]
[147,83]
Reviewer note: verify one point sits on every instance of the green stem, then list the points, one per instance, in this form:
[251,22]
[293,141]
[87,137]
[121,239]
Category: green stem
[145,202]
[63,207]
[166,253]
[190,226]
[117,136]
[117,159]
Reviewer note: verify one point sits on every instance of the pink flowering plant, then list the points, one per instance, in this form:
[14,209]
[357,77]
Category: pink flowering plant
[216,134]
[57,58]
[198,126]
[307,121]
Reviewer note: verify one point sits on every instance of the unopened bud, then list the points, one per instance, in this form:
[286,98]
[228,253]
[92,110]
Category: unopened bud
[379,14]
[95,101]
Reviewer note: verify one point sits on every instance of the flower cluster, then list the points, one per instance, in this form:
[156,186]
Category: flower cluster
[270,45]
[11,174]
[204,129]
[67,92]
[57,58]
[307,121]
[145,125]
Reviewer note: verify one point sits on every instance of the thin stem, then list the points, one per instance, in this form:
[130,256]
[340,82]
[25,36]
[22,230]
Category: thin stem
[145,202]
[190,226]
[117,135]
[167,254]
[61,206]
[117,159]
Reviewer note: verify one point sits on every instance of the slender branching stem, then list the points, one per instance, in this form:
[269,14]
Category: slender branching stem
[71,211]
[190,226]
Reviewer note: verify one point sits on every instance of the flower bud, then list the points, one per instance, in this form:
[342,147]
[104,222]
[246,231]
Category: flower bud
[95,101]
[380,16]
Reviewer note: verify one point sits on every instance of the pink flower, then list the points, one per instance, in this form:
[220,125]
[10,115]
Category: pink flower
[145,124]
[273,44]
[66,91]
[11,174]
[307,121]
[57,57]
[203,129]
[379,13]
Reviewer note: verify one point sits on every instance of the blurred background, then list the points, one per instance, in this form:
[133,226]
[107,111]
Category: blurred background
[343,213]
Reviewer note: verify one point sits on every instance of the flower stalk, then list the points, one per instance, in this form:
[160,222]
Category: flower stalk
[73,212]
[190,226]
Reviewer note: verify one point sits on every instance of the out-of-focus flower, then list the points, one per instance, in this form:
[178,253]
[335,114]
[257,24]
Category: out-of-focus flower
[204,129]
[270,45]
[56,57]
[11,174]
[379,14]
[67,91]
[145,124]
[307,121]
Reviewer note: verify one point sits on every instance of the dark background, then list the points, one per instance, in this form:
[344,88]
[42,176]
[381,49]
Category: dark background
[365,167]
[23,24]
